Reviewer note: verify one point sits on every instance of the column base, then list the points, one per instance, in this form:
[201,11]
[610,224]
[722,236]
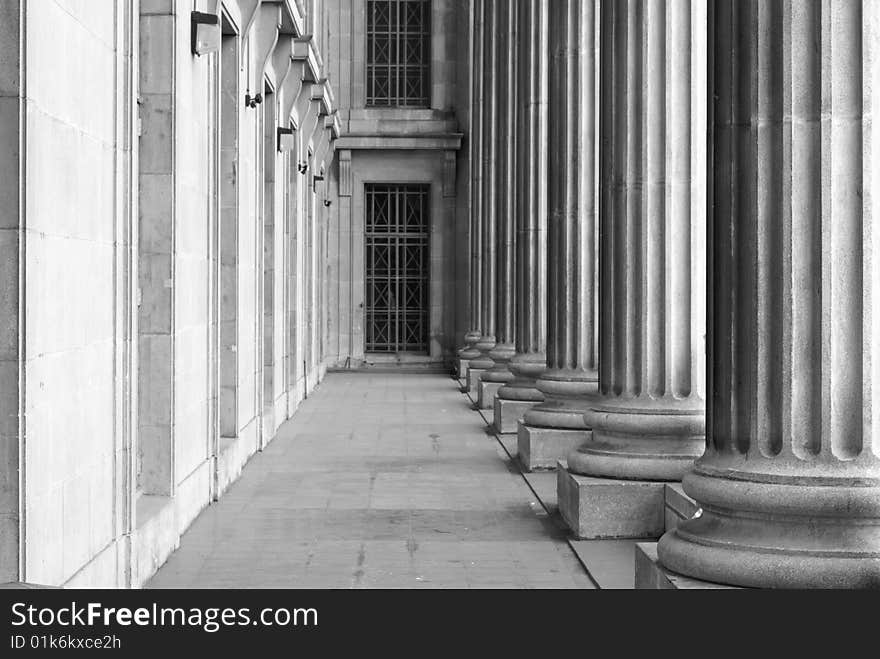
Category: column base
[642,439]
[595,508]
[487,394]
[461,368]
[650,575]
[474,376]
[508,414]
[542,448]
[776,529]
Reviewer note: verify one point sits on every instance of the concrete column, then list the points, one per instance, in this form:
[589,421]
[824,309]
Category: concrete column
[521,394]
[506,191]
[488,207]
[468,352]
[551,429]
[790,481]
[649,419]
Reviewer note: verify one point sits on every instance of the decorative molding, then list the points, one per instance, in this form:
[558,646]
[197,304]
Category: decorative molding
[444,142]
[345,173]
[449,173]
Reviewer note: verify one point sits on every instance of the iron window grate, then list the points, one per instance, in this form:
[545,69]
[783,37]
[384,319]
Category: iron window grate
[398,53]
[397,258]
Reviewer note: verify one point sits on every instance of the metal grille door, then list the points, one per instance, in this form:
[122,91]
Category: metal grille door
[397,268]
[398,52]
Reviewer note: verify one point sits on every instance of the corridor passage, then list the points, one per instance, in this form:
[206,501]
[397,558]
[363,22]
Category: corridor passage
[379,481]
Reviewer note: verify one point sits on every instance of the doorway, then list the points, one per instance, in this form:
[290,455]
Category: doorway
[397,258]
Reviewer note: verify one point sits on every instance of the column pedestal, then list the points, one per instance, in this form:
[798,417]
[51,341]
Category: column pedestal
[508,414]
[465,355]
[474,377]
[496,377]
[486,393]
[596,508]
[540,449]
[521,394]
[552,429]
[651,575]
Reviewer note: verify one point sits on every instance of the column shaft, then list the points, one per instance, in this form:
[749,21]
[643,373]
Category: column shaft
[507,194]
[488,206]
[476,175]
[531,206]
[648,421]
[790,481]
[571,227]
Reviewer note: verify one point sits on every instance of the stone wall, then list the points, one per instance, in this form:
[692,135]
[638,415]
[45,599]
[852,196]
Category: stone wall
[155,245]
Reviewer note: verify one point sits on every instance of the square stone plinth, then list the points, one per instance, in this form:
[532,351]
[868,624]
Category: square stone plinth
[679,506]
[542,448]
[650,575]
[473,378]
[488,392]
[508,414]
[607,508]
[461,368]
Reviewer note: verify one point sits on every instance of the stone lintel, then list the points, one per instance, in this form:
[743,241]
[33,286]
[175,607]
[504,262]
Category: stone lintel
[542,448]
[650,575]
[596,508]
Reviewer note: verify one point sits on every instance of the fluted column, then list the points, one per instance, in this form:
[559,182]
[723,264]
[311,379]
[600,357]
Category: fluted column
[790,481]
[649,418]
[488,206]
[571,260]
[507,194]
[531,207]
[468,351]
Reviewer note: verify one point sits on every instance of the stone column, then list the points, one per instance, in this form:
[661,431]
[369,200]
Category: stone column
[521,394]
[790,481]
[488,208]
[506,192]
[648,420]
[468,352]
[551,429]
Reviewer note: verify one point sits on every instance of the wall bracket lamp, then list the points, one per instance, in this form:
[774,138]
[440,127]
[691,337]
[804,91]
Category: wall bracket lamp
[206,35]
[286,139]
[252,101]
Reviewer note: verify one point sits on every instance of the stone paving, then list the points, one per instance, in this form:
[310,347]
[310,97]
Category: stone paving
[379,481]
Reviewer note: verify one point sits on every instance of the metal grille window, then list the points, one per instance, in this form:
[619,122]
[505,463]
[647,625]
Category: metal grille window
[398,53]
[397,268]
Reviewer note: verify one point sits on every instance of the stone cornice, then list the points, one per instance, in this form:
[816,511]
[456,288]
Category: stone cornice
[440,142]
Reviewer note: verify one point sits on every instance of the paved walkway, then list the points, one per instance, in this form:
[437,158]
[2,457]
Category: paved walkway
[379,481]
